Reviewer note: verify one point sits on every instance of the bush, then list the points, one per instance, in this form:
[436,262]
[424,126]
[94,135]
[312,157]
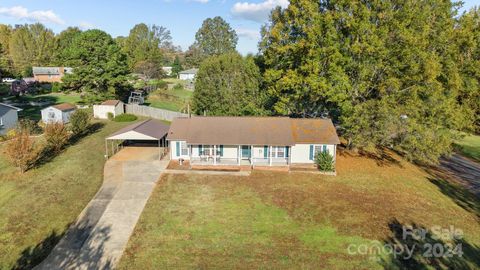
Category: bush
[21,151]
[324,161]
[178,86]
[125,118]
[56,87]
[110,116]
[29,125]
[80,122]
[56,136]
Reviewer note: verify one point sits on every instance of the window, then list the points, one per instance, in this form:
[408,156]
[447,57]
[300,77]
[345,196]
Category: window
[277,151]
[280,151]
[183,149]
[320,148]
[51,115]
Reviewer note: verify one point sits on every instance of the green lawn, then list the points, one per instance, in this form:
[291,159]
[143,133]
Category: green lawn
[36,207]
[275,220]
[470,146]
[33,112]
[172,99]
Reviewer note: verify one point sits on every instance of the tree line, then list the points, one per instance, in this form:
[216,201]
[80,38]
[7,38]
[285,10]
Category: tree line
[397,74]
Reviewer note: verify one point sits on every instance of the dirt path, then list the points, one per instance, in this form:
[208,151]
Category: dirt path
[99,237]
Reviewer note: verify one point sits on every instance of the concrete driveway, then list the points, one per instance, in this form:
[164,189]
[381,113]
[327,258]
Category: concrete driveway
[99,237]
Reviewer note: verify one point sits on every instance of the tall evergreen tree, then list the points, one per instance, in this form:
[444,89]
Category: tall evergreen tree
[228,84]
[100,67]
[63,42]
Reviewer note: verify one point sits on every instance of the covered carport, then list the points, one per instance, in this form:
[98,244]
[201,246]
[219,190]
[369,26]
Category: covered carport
[150,132]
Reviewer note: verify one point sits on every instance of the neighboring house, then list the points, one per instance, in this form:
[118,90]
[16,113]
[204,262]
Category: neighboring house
[8,117]
[109,106]
[58,113]
[261,141]
[188,74]
[167,70]
[50,74]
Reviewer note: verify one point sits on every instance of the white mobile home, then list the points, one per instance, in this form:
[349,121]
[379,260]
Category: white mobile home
[115,107]
[8,117]
[256,141]
[58,113]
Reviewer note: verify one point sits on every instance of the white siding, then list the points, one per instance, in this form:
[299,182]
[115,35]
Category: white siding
[8,121]
[186,76]
[50,115]
[101,111]
[173,151]
[300,153]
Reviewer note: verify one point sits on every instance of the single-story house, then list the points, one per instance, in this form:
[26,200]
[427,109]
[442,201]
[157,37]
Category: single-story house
[116,107]
[50,74]
[58,113]
[8,117]
[188,74]
[261,141]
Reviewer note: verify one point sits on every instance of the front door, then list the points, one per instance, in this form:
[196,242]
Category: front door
[246,151]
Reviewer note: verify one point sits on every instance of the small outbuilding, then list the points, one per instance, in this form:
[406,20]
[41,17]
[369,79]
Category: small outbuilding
[188,74]
[115,107]
[8,117]
[148,133]
[59,113]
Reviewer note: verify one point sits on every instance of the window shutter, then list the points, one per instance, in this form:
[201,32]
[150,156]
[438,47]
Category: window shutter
[324,148]
[286,151]
[200,150]
[178,149]
[221,150]
[265,151]
[311,152]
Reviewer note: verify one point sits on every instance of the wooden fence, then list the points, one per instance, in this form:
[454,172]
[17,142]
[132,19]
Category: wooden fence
[153,112]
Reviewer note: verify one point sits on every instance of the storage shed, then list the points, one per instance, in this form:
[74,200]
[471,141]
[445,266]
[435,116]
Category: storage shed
[115,107]
[59,113]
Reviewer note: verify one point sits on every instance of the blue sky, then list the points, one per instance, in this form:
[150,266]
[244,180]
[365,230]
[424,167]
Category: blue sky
[181,17]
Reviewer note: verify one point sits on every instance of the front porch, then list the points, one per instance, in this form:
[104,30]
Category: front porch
[239,155]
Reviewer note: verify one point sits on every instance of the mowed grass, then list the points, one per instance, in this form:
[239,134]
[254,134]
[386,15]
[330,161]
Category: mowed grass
[470,146]
[36,207]
[275,220]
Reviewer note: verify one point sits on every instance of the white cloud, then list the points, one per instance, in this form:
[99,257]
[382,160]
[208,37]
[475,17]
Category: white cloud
[201,1]
[257,12]
[248,33]
[21,13]
[86,25]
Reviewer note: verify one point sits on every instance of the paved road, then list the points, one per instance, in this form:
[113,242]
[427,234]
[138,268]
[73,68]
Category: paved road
[99,237]
[466,171]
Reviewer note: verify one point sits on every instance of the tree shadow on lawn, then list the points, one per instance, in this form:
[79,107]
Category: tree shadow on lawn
[452,188]
[70,249]
[381,156]
[48,154]
[428,250]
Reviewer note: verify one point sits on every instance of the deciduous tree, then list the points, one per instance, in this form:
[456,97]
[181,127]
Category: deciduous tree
[228,84]
[215,37]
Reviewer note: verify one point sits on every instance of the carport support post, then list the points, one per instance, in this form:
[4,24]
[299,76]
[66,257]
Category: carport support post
[159,150]
[214,155]
[106,149]
[238,156]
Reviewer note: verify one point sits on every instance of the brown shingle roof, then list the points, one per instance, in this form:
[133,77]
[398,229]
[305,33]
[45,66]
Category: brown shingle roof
[111,102]
[151,127]
[65,107]
[252,130]
[316,130]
